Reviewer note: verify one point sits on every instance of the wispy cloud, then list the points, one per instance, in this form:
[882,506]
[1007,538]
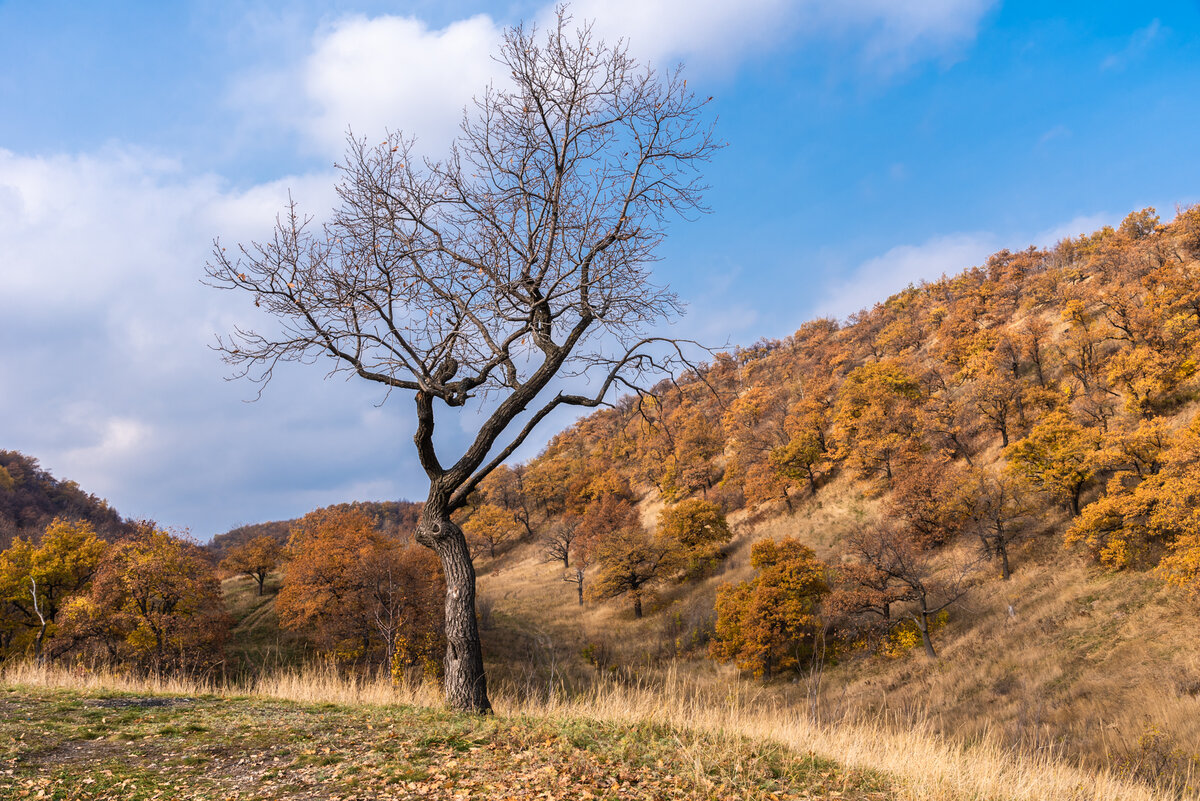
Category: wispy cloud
[1139,43]
[1057,132]
[1083,224]
[884,275]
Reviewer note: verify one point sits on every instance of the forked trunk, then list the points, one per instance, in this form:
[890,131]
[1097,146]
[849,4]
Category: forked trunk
[466,683]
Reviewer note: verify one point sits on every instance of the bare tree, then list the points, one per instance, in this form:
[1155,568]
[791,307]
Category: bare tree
[909,573]
[559,538]
[476,280]
[1000,516]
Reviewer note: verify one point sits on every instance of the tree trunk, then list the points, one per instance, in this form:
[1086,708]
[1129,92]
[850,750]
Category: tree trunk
[261,578]
[1005,571]
[579,585]
[466,683]
[38,641]
[637,605]
[923,625]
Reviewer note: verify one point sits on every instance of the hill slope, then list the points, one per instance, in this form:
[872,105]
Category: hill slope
[31,497]
[1075,362]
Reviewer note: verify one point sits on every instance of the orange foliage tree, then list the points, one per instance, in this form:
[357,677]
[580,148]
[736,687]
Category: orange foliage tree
[1057,457]
[256,558]
[770,623]
[491,525]
[699,529]
[358,594]
[875,417]
[1138,520]
[155,600]
[631,560]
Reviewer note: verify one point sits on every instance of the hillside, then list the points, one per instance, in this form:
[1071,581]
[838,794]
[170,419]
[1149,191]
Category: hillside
[31,497]
[396,519]
[1066,378]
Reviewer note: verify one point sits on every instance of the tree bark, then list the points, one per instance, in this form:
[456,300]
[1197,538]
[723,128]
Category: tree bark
[923,625]
[37,643]
[637,605]
[466,682]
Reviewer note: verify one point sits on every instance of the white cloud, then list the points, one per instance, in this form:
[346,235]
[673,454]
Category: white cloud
[898,33]
[373,74]
[673,29]
[107,372]
[878,278]
[376,74]
[889,34]
[1083,224]
[395,72]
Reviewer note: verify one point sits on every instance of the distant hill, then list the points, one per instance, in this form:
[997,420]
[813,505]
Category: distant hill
[394,518]
[31,497]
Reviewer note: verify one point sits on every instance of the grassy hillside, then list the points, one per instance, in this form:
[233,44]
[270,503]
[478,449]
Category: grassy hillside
[1090,666]
[1085,656]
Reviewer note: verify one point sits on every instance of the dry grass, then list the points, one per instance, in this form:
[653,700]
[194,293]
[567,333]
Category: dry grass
[924,766]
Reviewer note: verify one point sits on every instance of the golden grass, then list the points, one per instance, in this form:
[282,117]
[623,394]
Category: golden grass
[924,766]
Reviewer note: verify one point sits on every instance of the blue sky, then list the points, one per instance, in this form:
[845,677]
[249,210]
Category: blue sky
[870,144]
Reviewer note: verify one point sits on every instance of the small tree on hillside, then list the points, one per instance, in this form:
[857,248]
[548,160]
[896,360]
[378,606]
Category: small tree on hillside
[929,498]
[491,525]
[630,559]
[631,562]
[913,575]
[770,623]
[505,487]
[255,558]
[562,539]
[700,529]
[519,258]
[1058,457]
[1000,515]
